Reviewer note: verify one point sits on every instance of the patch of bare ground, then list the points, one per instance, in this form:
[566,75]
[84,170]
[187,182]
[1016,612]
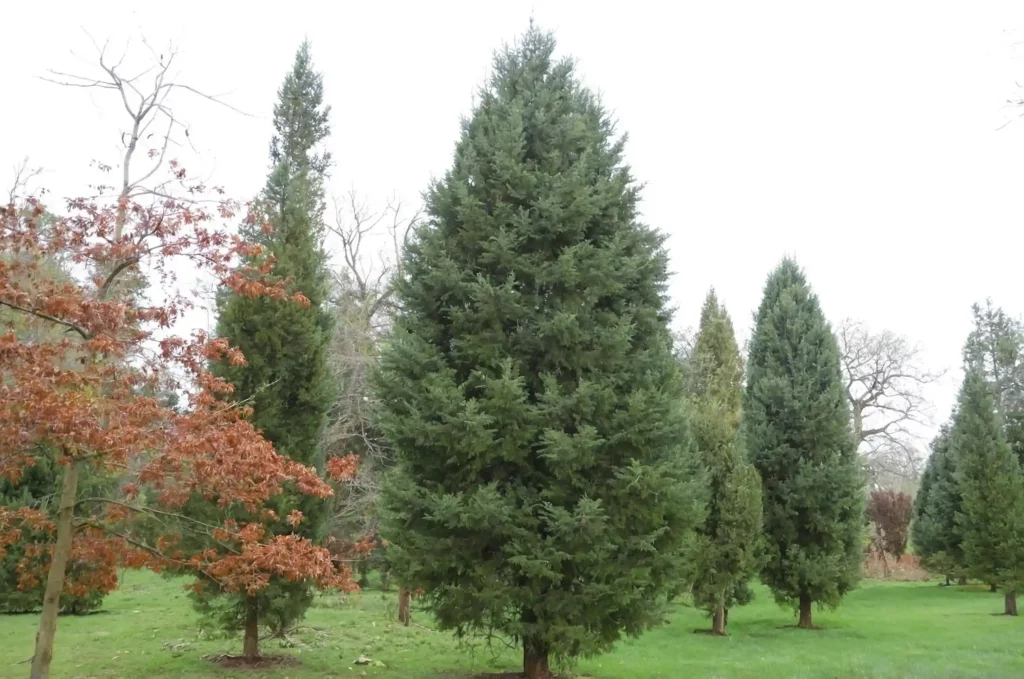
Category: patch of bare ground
[242,663]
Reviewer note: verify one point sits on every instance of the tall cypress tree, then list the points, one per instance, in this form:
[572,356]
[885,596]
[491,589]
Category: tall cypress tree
[990,477]
[797,431]
[934,531]
[727,544]
[285,378]
[544,485]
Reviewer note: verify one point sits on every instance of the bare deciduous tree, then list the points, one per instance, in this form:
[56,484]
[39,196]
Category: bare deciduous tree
[153,129]
[884,382]
[24,174]
[371,245]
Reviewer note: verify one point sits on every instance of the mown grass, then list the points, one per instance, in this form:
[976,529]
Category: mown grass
[148,629]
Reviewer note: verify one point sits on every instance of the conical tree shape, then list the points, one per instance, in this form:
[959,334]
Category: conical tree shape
[528,389]
[995,348]
[727,544]
[934,532]
[797,432]
[990,477]
[285,378]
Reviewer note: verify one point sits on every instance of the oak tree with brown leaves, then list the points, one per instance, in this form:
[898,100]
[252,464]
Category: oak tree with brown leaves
[86,392]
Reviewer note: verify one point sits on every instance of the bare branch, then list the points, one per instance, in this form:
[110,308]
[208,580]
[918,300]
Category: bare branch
[883,380]
[144,95]
[23,176]
[371,247]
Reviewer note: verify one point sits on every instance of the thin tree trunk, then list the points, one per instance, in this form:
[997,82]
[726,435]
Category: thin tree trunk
[992,587]
[404,597]
[55,576]
[805,612]
[947,581]
[251,645]
[1010,603]
[962,580]
[718,622]
[535,660]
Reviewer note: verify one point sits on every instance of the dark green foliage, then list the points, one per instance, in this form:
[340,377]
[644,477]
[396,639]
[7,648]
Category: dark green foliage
[37,488]
[797,432]
[995,349]
[991,522]
[727,544]
[933,532]
[544,487]
[285,379]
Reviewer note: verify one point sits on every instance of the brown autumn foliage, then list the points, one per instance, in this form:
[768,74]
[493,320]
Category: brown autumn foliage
[87,394]
[890,513]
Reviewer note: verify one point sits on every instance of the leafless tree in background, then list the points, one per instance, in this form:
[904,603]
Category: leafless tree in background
[371,245]
[24,174]
[153,131]
[884,382]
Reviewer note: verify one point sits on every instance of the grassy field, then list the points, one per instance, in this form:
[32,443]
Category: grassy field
[882,630]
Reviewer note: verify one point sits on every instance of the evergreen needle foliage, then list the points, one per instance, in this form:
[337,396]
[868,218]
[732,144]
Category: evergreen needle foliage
[991,523]
[545,484]
[933,532]
[797,431]
[727,546]
[285,378]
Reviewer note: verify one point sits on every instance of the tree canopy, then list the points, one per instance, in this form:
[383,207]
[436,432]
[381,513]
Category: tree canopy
[545,486]
[797,431]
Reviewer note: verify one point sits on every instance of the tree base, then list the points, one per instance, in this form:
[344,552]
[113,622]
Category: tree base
[240,661]
[404,600]
[1010,604]
[805,613]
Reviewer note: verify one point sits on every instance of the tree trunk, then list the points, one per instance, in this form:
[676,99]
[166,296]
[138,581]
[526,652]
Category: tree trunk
[535,660]
[1010,603]
[992,587]
[404,597]
[55,575]
[962,580]
[251,645]
[805,612]
[718,622]
[947,581]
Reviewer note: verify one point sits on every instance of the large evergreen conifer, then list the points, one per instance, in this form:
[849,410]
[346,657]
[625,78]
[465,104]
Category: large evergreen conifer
[995,349]
[727,545]
[991,523]
[285,378]
[528,389]
[934,532]
[797,431]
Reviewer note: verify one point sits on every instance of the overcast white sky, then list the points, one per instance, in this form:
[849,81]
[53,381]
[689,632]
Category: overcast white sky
[861,139]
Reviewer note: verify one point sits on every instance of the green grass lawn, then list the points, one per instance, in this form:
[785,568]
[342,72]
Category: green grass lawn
[148,629]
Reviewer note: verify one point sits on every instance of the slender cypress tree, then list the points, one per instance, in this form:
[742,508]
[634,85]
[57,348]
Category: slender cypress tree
[797,431]
[990,477]
[934,532]
[285,378]
[727,544]
[544,486]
